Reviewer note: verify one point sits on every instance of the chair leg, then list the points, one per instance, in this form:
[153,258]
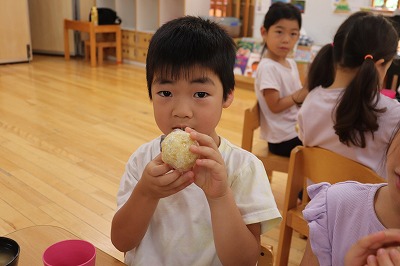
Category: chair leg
[87,52]
[394,83]
[285,239]
[100,52]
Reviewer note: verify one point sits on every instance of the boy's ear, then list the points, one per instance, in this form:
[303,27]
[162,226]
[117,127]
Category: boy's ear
[229,100]
[262,30]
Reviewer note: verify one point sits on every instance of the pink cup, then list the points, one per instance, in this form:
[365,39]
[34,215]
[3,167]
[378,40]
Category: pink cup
[72,252]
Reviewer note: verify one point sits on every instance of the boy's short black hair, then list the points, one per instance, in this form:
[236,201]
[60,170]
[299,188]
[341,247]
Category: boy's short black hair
[187,42]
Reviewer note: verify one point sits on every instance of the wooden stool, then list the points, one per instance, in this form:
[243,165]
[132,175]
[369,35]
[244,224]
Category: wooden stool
[100,46]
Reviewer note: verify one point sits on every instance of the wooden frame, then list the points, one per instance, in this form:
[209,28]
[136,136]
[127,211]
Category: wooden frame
[384,3]
[266,256]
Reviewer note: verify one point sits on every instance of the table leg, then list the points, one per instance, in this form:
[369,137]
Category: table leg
[92,40]
[66,42]
[118,50]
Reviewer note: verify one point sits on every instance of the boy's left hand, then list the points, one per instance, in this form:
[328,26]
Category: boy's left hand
[209,171]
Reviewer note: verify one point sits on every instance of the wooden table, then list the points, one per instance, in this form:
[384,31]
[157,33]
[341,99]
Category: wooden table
[86,26]
[34,240]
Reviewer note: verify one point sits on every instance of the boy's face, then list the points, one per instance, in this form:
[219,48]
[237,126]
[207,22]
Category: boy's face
[281,38]
[194,101]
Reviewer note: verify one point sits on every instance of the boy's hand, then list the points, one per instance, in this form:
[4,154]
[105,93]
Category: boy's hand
[159,180]
[209,171]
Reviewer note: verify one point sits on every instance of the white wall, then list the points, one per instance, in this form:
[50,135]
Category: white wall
[319,21]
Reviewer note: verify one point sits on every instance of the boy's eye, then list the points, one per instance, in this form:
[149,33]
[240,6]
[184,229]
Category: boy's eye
[164,93]
[200,94]
[294,34]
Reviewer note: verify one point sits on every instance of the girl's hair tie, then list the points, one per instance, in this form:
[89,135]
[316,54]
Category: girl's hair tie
[368,56]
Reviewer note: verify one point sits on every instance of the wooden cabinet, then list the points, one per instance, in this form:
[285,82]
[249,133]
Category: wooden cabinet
[128,44]
[15,40]
[47,20]
[141,18]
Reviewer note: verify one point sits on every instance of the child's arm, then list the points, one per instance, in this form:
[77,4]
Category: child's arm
[277,104]
[236,243]
[130,222]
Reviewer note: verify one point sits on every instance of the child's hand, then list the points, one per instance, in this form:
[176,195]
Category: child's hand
[209,171]
[159,180]
[385,257]
[368,246]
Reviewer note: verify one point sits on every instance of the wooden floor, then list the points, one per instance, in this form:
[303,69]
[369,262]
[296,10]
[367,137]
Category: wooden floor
[66,131]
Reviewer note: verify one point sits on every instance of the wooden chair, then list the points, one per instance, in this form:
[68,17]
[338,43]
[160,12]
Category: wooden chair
[92,30]
[271,161]
[266,256]
[318,165]
[100,47]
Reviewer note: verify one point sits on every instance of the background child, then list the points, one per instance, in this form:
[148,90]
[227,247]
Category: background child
[213,214]
[322,69]
[340,214]
[277,83]
[350,117]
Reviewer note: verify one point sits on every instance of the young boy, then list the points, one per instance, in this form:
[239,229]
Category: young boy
[214,213]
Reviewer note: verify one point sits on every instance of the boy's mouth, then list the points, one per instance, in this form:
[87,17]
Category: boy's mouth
[181,128]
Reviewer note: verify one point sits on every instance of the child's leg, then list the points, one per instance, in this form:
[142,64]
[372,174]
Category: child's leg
[284,148]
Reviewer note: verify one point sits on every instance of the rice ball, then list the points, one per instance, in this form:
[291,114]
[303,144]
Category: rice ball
[175,150]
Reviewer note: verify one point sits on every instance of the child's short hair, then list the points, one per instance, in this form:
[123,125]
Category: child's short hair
[280,10]
[187,42]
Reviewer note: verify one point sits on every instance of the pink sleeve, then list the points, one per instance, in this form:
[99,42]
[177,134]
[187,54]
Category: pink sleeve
[315,214]
[269,78]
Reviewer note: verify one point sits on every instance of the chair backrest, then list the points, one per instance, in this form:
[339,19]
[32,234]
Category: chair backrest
[251,122]
[317,165]
[271,161]
[321,165]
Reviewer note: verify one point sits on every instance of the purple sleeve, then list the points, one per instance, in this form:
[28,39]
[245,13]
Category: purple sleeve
[315,214]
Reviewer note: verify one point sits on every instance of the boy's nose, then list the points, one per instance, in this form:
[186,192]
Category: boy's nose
[286,38]
[182,109]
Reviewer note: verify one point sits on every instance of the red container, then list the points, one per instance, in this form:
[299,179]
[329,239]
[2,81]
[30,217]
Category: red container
[74,252]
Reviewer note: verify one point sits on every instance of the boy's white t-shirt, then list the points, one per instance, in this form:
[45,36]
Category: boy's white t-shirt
[277,127]
[180,231]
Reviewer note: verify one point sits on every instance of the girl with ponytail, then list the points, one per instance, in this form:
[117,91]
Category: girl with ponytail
[344,111]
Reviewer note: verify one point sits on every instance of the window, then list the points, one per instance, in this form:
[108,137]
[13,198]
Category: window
[391,4]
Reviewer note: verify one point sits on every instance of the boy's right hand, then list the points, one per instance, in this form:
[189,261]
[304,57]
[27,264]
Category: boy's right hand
[159,180]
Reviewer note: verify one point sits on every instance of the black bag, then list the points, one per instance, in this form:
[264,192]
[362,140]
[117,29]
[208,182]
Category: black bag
[106,16]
